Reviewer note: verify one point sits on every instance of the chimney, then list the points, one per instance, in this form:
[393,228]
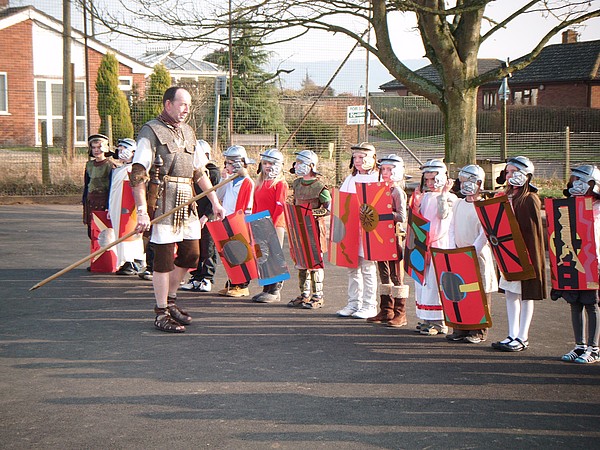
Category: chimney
[3,4]
[570,37]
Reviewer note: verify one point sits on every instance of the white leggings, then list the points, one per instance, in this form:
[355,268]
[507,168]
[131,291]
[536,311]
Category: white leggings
[519,313]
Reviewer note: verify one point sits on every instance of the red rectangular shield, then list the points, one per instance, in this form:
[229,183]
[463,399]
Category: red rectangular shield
[572,243]
[416,252]
[344,230]
[128,219]
[377,221]
[232,240]
[303,236]
[504,235]
[107,261]
[461,289]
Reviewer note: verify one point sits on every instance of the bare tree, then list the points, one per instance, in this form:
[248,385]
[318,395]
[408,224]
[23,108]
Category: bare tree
[451,31]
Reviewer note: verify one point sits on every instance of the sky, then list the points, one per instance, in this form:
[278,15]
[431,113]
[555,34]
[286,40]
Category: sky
[515,41]
[317,60]
[319,54]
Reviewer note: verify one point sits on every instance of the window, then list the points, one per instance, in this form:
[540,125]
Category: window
[49,111]
[489,100]
[3,93]
[526,97]
[126,85]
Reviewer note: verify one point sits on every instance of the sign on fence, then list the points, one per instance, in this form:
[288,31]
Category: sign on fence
[355,115]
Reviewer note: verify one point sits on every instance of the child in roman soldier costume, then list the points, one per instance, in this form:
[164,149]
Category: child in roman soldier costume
[236,196]
[270,195]
[585,314]
[121,209]
[434,201]
[466,230]
[393,292]
[96,185]
[362,280]
[521,295]
[310,193]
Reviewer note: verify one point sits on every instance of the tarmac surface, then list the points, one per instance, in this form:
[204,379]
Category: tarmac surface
[81,366]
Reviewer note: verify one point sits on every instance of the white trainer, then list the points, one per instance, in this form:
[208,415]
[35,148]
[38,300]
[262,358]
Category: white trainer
[365,312]
[191,285]
[347,311]
[195,285]
[205,286]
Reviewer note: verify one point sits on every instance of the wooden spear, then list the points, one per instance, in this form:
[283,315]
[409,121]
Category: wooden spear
[131,233]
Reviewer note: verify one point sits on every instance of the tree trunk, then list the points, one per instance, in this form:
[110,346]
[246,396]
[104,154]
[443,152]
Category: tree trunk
[460,118]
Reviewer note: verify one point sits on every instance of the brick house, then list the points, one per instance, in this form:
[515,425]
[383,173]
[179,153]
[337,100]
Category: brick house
[31,72]
[563,75]
[429,72]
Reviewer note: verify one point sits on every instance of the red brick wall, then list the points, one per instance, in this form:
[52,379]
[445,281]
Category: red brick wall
[16,59]
[566,94]
[595,96]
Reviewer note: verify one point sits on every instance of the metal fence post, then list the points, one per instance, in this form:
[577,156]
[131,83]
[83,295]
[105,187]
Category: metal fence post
[45,158]
[109,132]
[567,154]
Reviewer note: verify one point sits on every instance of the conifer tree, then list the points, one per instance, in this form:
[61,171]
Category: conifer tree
[150,105]
[255,98]
[111,100]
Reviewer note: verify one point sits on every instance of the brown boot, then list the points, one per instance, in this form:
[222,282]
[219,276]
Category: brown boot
[400,294]
[386,305]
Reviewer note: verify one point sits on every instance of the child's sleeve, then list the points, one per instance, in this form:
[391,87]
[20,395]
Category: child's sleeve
[245,198]
[281,192]
[86,182]
[325,198]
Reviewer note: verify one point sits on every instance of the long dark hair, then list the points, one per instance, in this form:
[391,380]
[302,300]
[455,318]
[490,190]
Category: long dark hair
[520,193]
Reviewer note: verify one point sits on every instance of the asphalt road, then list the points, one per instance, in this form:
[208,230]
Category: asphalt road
[81,366]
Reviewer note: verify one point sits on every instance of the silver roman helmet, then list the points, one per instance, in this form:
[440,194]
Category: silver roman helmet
[126,148]
[238,155]
[437,166]
[306,160]
[398,166]
[583,175]
[275,157]
[369,152]
[524,168]
[204,147]
[471,179]
[103,139]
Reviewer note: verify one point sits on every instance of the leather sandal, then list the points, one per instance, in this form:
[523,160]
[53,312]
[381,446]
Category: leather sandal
[164,321]
[178,314]
[518,347]
[498,345]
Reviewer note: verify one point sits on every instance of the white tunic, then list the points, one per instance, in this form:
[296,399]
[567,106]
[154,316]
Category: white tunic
[466,230]
[427,296]
[132,249]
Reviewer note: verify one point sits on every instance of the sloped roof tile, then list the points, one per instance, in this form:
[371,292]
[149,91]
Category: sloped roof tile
[576,61]
[177,62]
[483,65]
